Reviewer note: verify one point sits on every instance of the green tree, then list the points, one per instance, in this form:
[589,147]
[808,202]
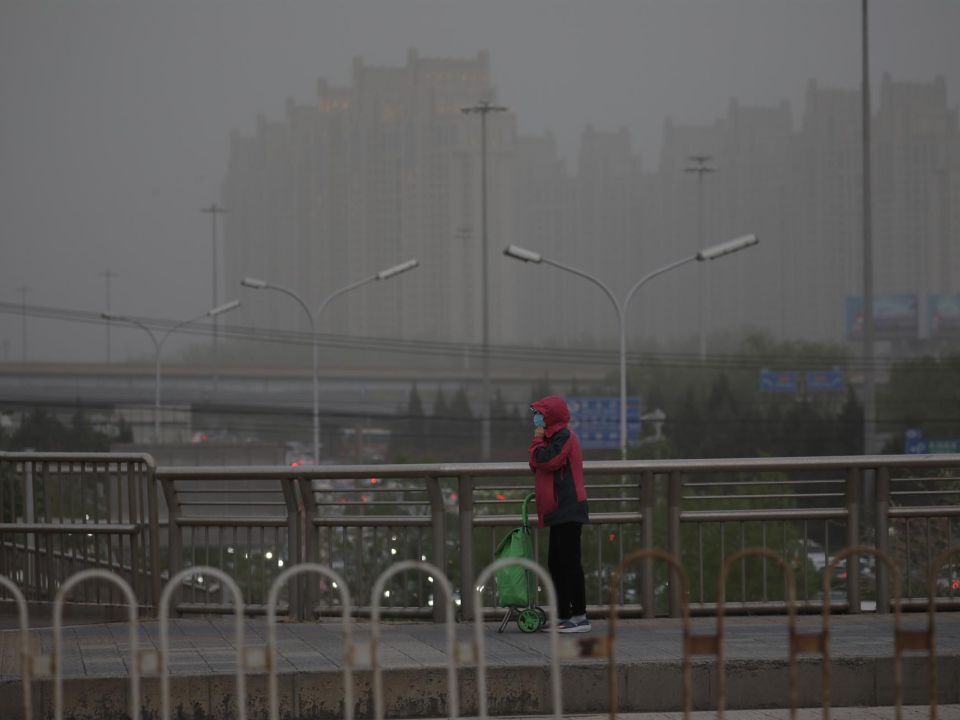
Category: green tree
[923,393]
[463,431]
[408,435]
[40,431]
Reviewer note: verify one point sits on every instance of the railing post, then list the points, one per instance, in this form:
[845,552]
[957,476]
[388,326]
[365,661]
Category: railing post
[29,509]
[439,529]
[293,543]
[467,575]
[882,539]
[647,504]
[674,497]
[138,540]
[308,508]
[45,560]
[173,526]
[153,511]
[854,480]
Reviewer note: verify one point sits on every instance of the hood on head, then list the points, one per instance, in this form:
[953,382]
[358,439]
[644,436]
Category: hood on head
[553,409]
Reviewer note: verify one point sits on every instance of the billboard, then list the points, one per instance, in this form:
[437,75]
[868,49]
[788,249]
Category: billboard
[596,421]
[895,317]
[943,316]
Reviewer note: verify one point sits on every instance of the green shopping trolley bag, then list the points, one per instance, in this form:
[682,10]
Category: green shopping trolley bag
[517,586]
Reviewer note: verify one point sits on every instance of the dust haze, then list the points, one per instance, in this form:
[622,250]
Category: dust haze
[116,117]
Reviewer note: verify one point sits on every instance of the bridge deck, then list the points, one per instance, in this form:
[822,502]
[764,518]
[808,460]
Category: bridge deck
[414,659]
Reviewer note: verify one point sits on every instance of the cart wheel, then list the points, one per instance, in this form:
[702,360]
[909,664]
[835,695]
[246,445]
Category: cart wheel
[529,620]
[542,614]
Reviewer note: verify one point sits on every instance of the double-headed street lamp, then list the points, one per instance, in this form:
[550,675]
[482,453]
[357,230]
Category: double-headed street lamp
[710,253]
[158,346]
[258,284]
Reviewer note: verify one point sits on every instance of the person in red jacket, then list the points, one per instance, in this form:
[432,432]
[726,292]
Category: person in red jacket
[557,463]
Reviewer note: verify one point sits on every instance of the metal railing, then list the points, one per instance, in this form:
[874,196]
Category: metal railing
[61,513]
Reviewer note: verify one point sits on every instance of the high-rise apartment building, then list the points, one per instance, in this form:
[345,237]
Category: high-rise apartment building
[387,167]
[381,170]
[822,257]
[916,246]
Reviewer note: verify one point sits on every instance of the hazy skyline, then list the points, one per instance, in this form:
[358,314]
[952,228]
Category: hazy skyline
[116,116]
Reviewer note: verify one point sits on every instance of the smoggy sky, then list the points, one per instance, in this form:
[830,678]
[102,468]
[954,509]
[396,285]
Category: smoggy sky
[115,116]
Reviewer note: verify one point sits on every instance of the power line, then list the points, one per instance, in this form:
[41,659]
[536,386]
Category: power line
[644,361]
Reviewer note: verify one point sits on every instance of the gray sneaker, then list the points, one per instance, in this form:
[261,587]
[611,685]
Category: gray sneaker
[571,626]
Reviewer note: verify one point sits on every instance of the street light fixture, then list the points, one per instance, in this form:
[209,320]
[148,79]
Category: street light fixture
[258,284]
[711,253]
[158,346]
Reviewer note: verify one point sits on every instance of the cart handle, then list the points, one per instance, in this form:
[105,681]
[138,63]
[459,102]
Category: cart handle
[526,502]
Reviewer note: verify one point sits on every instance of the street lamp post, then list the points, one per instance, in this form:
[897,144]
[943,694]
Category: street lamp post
[869,372]
[701,168]
[710,253]
[314,317]
[158,346]
[214,211]
[484,108]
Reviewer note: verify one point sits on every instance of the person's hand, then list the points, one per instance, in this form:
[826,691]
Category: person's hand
[538,433]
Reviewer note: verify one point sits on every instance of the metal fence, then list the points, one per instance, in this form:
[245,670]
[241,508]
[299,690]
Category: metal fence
[37,670]
[62,513]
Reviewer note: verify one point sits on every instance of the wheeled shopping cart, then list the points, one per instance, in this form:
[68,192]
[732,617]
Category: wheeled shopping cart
[517,586]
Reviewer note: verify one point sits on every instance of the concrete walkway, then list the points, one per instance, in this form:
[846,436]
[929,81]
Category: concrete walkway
[413,655]
[908,712]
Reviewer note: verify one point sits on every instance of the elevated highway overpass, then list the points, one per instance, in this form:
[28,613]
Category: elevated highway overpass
[343,390]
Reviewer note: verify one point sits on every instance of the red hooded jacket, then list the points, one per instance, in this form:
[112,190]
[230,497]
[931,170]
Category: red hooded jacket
[557,463]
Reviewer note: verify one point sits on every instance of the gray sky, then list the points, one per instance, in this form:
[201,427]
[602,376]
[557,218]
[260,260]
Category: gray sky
[114,116]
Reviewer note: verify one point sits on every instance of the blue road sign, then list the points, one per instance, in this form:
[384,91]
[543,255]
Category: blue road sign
[916,444]
[779,381]
[596,421]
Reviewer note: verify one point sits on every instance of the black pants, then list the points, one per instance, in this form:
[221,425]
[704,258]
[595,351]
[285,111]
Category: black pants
[566,570]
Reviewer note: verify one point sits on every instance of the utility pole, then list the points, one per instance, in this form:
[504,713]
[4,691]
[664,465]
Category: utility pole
[23,289]
[484,108]
[214,210]
[108,274]
[869,379]
[464,237]
[701,168]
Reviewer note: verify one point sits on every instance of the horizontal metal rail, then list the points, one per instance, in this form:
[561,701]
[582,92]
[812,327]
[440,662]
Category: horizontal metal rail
[70,528]
[252,522]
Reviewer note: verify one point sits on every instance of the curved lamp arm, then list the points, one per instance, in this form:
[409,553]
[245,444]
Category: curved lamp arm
[212,312]
[652,275]
[382,275]
[258,284]
[133,321]
[518,253]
